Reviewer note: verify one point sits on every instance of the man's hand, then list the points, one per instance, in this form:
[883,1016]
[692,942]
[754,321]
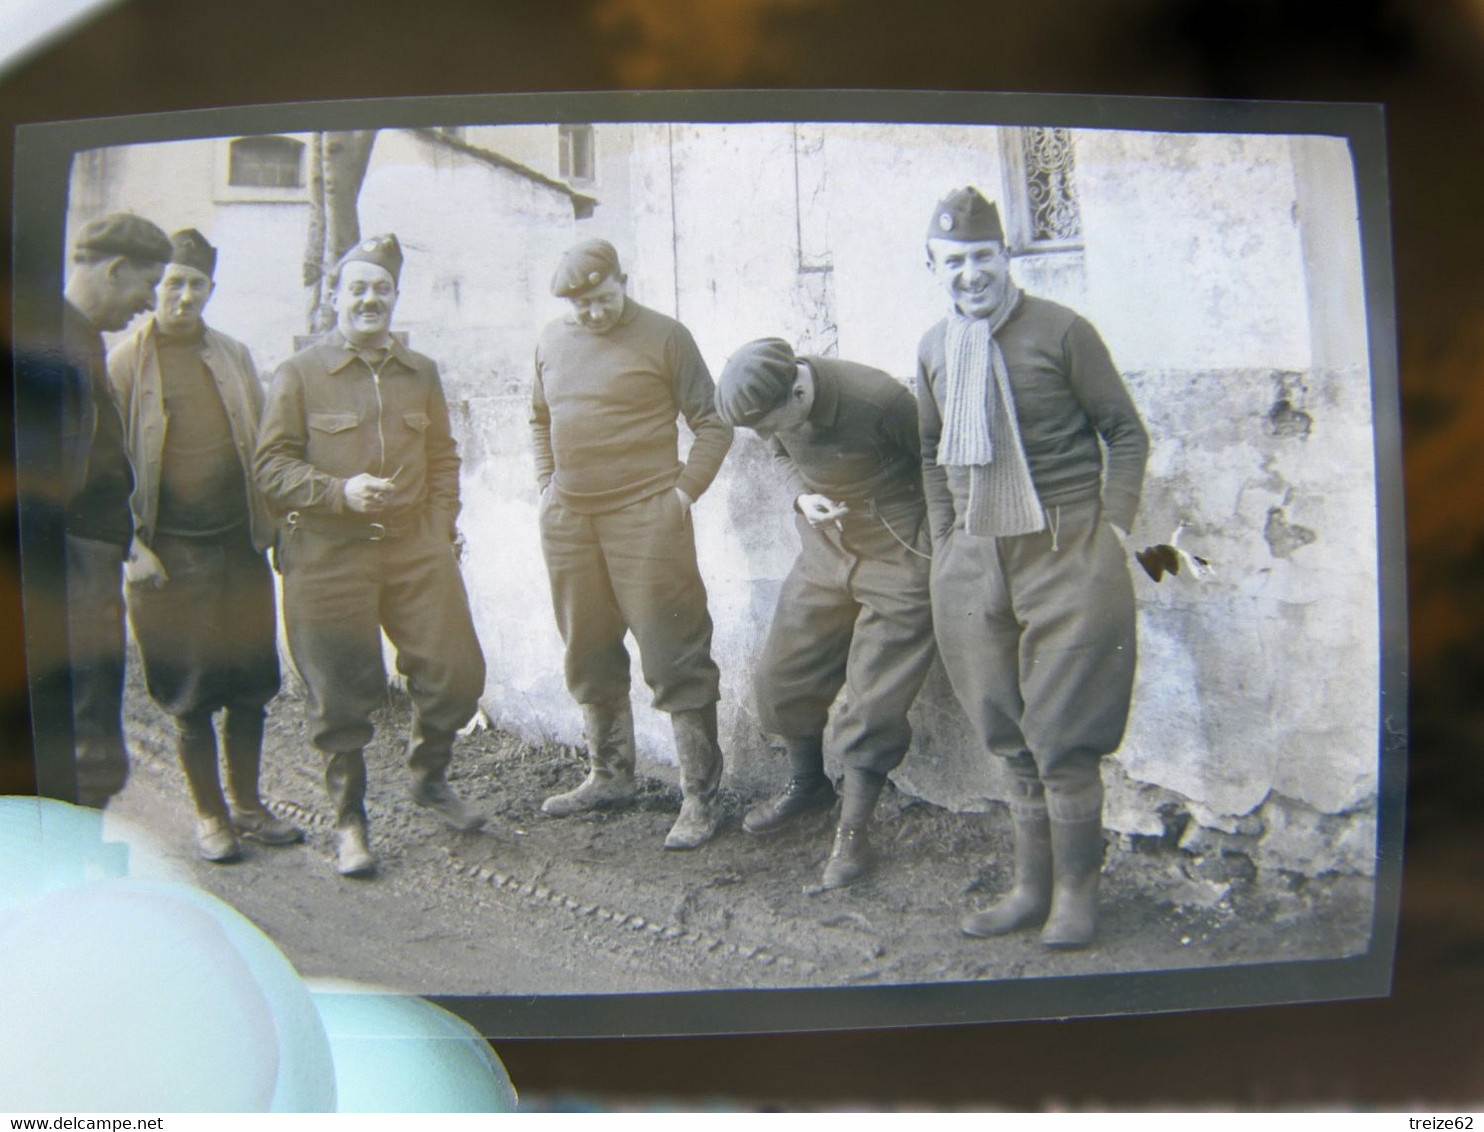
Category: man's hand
[143,567]
[820,509]
[366,493]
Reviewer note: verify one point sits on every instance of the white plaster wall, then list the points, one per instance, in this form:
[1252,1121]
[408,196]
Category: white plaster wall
[260,296]
[650,258]
[479,242]
[1262,677]
[883,182]
[736,245]
[1193,253]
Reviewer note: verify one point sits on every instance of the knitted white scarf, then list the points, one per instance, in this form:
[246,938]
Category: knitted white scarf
[979,424]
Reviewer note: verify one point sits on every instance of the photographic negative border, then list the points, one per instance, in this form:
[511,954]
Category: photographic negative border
[43,157]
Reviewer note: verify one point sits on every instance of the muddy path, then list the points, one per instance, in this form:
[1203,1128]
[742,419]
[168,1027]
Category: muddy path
[593,904]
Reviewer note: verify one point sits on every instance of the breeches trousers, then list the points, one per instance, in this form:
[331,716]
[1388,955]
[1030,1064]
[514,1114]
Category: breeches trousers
[852,614]
[1039,642]
[339,595]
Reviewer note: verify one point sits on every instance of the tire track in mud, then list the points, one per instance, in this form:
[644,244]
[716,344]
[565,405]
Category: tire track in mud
[592,905]
[639,942]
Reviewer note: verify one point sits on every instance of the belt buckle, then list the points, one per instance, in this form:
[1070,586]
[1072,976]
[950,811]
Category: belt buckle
[378,531]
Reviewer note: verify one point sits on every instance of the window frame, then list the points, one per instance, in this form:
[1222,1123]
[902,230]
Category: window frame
[227,192]
[566,133]
[1018,219]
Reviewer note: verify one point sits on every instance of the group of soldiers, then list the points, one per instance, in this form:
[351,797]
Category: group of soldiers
[993,505]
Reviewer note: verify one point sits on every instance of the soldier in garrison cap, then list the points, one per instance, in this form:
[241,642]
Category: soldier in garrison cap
[116,262]
[200,592]
[611,379]
[355,452]
[1018,399]
[854,612]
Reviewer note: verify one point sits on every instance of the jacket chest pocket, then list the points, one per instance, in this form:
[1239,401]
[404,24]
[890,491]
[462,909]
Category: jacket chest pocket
[332,423]
[334,441]
[417,422]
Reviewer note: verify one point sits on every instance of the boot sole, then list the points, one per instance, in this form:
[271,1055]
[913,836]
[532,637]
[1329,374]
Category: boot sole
[968,929]
[1064,945]
[683,846]
[227,854]
[588,807]
[1032,919]
[275,840]
[830,886]
[461,825]
[783,823]
[470,826]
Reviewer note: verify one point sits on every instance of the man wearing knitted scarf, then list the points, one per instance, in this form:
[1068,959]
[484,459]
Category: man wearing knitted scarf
[1018,402]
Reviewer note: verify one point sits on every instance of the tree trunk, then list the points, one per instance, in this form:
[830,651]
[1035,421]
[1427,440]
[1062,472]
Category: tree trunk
[338,168]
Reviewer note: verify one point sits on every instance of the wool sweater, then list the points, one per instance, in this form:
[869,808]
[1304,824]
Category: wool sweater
[860,442]
[604,409]
[203,488]
[1068,398]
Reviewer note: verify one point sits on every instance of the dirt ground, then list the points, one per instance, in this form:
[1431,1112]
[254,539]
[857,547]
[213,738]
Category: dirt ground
[593,904]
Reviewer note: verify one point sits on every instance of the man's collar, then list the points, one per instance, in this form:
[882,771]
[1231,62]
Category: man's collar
[826,405]
[339,353]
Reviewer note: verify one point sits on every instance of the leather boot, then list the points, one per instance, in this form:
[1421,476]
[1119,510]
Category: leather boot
[345,779]
[699,755]
[808,789]
[610,758]
[428,754]
[195,743]
[850,856]
[1076,861]
[1028,902]
[243,733]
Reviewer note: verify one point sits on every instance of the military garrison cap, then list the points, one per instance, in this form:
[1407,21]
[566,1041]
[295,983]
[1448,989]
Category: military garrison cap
[123,233]
[964,215]
[384,251]
[583,267]
[190,248]
[755,381]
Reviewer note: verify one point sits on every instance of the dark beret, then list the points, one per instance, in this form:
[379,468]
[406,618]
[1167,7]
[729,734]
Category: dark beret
[965,216]
[190,248]
[384,251]
[123,233]
[583,267]
[755,381]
